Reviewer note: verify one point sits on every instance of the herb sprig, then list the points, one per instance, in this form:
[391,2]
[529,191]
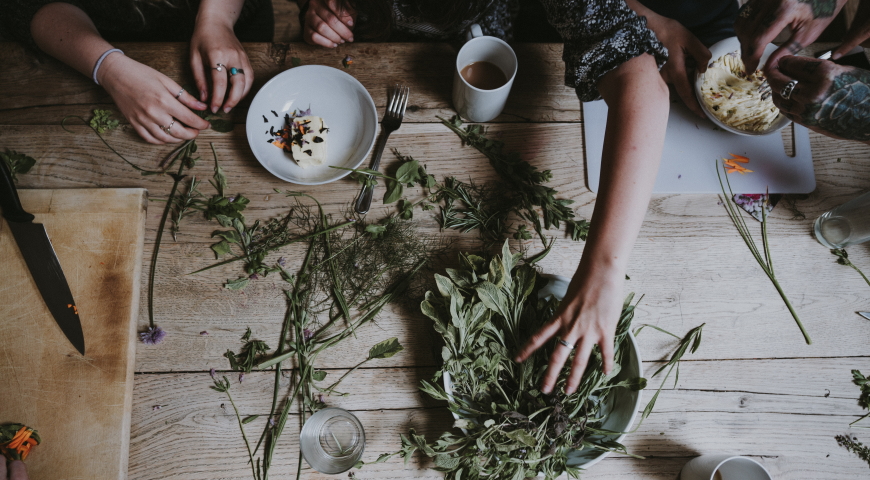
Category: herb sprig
[843,259]
[763,257]
[17,162]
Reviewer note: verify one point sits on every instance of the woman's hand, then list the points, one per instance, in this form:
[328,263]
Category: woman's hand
[16,470]
[831,99]
[214,43]
[327,24]
[587,316]
[685,53]
[148,99]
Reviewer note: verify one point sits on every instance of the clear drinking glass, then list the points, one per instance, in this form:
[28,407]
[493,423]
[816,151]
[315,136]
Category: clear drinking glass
[845,225]
[332,440]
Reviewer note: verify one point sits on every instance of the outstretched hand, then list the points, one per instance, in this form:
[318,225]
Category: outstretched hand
[16,470]
[150,101]
[831,99]
[685,51]
[327,24]
[587,316]
[760,21]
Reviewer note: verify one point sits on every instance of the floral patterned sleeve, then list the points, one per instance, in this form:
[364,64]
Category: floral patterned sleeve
[599,36]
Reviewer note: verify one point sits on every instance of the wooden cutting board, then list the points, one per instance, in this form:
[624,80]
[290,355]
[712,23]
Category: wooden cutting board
[79,405]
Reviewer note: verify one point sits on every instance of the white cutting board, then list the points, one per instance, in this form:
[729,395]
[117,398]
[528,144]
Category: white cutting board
[692,145]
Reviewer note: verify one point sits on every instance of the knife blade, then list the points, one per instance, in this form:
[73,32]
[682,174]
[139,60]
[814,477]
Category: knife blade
[864,314]
[38,253]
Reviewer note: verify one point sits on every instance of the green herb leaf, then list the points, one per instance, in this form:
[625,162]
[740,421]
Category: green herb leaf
[249,419]
[222,125]
[394,191]
[376,231]
[221,248]
[318,375]
[385,349]
[295,61]
[17,162]
[237,284]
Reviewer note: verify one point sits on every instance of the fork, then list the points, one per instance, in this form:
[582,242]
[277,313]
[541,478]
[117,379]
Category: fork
[392,121]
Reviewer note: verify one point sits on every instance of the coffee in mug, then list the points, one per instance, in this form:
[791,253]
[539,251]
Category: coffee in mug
[483,75]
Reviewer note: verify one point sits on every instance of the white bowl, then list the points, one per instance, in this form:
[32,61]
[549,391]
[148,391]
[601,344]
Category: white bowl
[720,48]
[345,106]
[622,409]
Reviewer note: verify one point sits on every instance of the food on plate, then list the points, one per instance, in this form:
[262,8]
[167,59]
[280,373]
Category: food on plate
[304,136]
[738,99]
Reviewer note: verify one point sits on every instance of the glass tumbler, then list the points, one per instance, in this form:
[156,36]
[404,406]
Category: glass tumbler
[845,225]
[332,440]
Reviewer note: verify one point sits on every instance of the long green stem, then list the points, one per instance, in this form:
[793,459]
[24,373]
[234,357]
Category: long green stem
[791,310]
[245,437]
[176,179]
[137,167]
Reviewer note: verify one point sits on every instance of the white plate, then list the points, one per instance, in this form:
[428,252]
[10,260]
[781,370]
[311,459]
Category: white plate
[622,409]
[345,106]
[718,49]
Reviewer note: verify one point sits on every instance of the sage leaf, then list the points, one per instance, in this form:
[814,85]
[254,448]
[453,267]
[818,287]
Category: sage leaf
[222,125]
[318,375]
[237,284]
[385,349]
[221,248]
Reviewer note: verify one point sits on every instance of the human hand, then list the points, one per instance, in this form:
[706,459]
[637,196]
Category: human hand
[830,99]
[858,32]
[327,24]
[16,470]
[213,43]
[684,50]
[760,21]
[148,99]
[587,316]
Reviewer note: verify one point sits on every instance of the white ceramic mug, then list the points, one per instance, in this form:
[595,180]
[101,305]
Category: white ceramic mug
[724,467]
[472,103]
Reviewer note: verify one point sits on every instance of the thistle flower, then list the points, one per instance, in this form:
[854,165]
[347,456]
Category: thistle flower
[152,336]
[212,373]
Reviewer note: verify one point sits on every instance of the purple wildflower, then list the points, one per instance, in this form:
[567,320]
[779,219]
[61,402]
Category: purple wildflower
[203,333]
[156,407]
[281,261]
[231,199]
[272,422]
[303,113]
[307,334]
[320,398]
[679,177]
[254,276]
[152,336]
[212,373]
[241,377]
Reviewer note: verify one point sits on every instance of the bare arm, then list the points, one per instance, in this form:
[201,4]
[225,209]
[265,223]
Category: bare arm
[638,109]
[145,96]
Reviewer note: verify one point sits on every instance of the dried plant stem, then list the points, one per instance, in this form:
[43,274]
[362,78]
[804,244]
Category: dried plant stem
[766,261]
[245,437]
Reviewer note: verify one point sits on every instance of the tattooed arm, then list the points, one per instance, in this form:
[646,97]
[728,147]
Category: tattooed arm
[760,21]
[830,99]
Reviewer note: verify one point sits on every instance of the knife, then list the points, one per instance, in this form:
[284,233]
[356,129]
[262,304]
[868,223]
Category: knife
[41,260]
[864,314]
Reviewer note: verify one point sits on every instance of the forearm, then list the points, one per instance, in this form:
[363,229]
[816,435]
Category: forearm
[219,12]
[637,100]
[67,33]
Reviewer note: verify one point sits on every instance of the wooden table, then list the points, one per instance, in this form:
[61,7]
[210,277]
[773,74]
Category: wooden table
[753,388]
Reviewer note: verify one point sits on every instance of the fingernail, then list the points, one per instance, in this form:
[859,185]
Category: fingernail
[201,105]
[835,56]
[342,41]
[351,38]
[227,109]
[350,22]
[334,45]
[202,95]
[214,109]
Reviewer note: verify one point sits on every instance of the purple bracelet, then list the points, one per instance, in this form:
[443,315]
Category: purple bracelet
[100,62]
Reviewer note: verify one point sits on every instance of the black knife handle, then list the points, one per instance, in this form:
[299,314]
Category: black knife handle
[9,201]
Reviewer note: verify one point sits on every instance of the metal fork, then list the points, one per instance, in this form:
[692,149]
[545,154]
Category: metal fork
[392,121]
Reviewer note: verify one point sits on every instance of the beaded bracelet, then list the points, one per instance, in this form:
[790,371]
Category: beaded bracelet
[100,62]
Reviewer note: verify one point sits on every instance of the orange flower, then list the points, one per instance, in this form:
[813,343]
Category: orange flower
[20,444]
[731,164]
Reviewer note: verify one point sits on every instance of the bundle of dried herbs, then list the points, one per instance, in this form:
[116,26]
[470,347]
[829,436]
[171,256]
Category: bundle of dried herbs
[485,311]
[346,279]
[851,443]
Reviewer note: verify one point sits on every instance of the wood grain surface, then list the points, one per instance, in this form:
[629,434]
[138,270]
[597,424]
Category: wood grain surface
[753,388]
[79,405]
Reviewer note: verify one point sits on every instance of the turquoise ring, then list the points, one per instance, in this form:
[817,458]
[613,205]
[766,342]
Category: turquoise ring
[234,71]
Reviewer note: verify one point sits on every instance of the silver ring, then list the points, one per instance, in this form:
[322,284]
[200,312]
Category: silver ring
[166,129]
[220,67]
[788,89]
[563,342]
[179,93]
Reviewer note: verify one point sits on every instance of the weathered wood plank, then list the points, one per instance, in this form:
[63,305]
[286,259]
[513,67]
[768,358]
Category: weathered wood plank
[44,90]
